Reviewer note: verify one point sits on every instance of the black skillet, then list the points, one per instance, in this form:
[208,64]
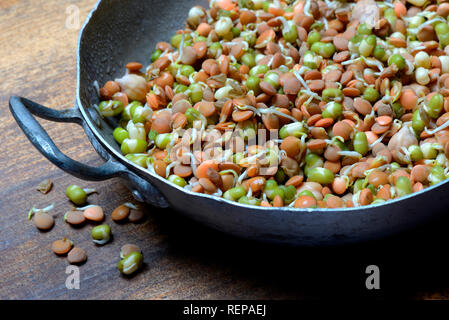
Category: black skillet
[118,31]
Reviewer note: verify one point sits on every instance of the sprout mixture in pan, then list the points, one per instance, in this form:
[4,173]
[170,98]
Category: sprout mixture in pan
[303,104]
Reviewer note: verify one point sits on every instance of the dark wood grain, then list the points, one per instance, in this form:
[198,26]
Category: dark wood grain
[182,259]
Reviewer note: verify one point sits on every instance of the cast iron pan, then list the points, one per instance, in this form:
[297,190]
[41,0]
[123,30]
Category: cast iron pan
[119,31]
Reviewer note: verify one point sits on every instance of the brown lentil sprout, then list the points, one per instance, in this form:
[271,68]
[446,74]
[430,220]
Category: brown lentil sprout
[43,221]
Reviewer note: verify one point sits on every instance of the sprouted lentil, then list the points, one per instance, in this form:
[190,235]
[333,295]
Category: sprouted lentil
[130,263]
[101,234]
[42,220]
[62,247]
[92,212]
[78,195]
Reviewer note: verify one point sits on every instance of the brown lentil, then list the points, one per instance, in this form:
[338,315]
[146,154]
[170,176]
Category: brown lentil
[120,213]
[74,218]
[127,249]
[136,216]
[77,256]
[43,221]
[62,247]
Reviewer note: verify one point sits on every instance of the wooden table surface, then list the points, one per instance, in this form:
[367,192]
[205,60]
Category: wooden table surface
[183,260]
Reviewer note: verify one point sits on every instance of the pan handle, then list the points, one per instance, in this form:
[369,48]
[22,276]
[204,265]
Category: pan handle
[23,109]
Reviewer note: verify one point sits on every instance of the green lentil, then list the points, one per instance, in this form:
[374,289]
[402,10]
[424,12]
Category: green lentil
[320,175]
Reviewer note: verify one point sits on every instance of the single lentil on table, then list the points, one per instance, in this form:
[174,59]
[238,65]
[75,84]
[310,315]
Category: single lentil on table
[62,247]
[78,195]
[77,256]
[357,92]
[74,218]
[101,234]
[45,186]
[127,249]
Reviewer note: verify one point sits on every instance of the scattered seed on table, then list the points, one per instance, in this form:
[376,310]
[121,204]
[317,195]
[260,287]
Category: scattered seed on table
[120,213]
[94,213]
[43,221]
[45,186]
[101,234]
[78,195]
[61,247]
[127,249]
[136,215]
[130,263]
[77,256]
[75,218]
